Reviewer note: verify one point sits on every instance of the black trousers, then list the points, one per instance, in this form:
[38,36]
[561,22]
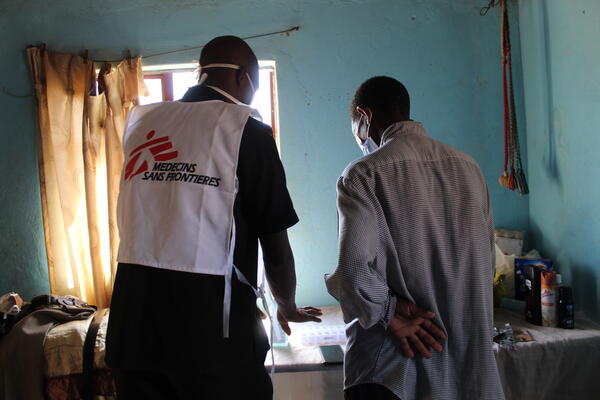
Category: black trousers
[247,382]
[369,391]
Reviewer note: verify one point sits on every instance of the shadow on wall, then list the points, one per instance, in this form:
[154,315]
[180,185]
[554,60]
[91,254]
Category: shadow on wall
[582,276]
[553,114]
[585,279]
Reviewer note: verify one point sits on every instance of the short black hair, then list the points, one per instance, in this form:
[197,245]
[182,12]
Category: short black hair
[382,93]
[229,50]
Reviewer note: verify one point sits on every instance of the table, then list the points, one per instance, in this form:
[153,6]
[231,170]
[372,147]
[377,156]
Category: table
[560,364]
[300,372]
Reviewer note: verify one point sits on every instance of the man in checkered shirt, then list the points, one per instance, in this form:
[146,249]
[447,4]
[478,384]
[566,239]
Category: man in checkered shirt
[415,227]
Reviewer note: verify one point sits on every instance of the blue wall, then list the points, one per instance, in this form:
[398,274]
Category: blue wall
[23,266]
[445,53]
[561,54]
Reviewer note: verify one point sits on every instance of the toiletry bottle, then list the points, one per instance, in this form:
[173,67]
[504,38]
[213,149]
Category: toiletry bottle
[533,312]
[566,309]
[548,298]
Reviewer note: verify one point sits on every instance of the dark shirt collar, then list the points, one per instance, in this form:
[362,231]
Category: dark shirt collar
[202,93]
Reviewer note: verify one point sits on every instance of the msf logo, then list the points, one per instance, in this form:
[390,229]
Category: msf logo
[158,148]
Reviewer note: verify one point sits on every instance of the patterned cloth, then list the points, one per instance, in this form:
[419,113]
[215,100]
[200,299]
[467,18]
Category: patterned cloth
[415,221]
[21,350]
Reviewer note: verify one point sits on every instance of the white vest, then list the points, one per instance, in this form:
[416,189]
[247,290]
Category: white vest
[178,188]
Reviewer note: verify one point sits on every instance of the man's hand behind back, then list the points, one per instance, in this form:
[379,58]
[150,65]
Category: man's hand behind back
[412,326]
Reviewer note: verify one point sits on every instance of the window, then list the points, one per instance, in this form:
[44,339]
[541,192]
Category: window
[170,82]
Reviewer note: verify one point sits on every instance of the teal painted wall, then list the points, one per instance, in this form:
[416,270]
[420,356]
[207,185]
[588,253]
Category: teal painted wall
[23,266]
[561,54]
[445,53]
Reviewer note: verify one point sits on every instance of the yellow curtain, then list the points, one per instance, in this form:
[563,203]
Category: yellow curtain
[81,158]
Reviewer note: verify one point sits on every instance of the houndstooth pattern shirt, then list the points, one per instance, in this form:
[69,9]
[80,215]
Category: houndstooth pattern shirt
[415,221]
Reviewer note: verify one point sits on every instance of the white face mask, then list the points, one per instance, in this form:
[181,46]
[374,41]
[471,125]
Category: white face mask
[368,146]
[204,76]
[360,130]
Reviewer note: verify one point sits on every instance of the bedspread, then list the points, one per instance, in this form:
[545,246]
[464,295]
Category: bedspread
[63,350]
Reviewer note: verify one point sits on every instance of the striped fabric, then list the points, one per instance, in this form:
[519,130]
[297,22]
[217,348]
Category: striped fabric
[415,221]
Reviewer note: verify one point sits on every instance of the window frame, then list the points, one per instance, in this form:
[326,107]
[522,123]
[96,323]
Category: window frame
[165,75]
[166,79]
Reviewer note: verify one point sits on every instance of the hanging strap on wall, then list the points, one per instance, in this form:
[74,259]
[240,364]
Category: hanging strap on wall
[513,176]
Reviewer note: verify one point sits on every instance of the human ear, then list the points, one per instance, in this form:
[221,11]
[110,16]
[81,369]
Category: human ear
[240,74]
[365,113]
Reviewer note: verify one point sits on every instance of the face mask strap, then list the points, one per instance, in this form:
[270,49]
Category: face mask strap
[251,83]
[220,65]
[368,145]
[362,127]
[204,75]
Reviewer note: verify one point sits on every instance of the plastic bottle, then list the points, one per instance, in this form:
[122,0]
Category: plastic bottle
[533,312]
[558,281]
[510,338]
[565,308]
[548,298]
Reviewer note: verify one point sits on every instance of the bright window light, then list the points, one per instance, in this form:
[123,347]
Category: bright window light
[171,81]
[155,89]
[182,81]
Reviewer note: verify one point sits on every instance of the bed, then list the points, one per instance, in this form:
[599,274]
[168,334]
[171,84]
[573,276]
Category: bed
[65,377]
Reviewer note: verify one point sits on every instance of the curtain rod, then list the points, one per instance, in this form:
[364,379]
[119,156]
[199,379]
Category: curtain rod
[287,32]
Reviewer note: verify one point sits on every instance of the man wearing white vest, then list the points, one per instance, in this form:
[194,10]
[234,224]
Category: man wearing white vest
[202,185]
